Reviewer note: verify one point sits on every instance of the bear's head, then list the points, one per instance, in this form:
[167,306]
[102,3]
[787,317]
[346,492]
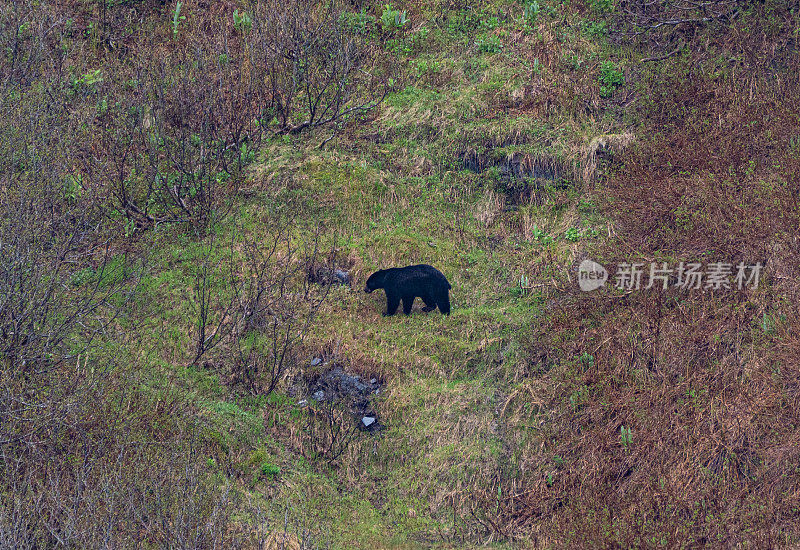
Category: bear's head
[375,281]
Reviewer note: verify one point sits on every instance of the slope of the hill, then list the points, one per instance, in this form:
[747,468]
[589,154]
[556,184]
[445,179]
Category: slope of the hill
[221,398]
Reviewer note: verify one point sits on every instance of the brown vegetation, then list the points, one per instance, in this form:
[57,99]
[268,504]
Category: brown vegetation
[705,381]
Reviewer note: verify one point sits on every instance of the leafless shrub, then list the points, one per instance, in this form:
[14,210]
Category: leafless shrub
[328,432]
[317,71]
[91,481]
[278,308]
[181,144]
[256,302]
[58,288]
[88,458]
[175,145]
[28,32]
[649,15]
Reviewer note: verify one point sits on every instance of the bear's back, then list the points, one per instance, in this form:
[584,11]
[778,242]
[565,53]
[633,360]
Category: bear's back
[418,274]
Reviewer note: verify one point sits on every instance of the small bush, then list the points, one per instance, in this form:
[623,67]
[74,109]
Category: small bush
[602,6]
[393,19]
[610,78]
[242,22]
[270,470]
[595,29]
[531,12]
[358,23]
[489,44]
[572,234]
[490,24]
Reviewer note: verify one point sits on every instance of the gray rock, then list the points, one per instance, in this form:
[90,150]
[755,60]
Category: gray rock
[368,420]
[302,403]
[352,385]
[315,361]
[319,395]
[341,277]
[349,384]
[373,380]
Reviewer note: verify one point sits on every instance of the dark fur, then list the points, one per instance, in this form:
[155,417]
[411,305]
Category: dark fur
[407,283]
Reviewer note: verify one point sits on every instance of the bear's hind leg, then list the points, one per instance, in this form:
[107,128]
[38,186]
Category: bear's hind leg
[392,301]
[408,302]
[443,301]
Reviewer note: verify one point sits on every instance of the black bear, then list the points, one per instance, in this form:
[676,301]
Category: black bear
[407,283]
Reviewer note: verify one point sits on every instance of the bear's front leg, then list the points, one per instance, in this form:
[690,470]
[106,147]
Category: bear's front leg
[392,301]
[408,302]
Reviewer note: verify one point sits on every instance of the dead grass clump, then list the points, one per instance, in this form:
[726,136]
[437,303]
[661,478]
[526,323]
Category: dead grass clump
[605,144]
[489,208]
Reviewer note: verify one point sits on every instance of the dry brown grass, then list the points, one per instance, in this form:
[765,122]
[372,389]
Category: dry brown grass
[707,382]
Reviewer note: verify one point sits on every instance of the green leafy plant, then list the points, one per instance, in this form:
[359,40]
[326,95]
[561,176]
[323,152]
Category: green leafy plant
[393,19]
[87,82]
[490,24]
[767,324]
[463,23]
[610,78]
[573,61]
[794,146]
[579,396]
[246,154]
[522,288]
[625,436]
[540,235]
[602,6]
[102,107]
[419,39]
[489,44]
[358,23]
[531,12]
[242,22]
[426,66]
[595,29]
[398,46]
[73,186]
[572,234]
[177,18]
[269,470]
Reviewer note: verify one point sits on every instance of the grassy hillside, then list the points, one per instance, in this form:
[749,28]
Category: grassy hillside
[175,203]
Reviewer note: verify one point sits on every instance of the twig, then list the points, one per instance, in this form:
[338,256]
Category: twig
[660,57]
